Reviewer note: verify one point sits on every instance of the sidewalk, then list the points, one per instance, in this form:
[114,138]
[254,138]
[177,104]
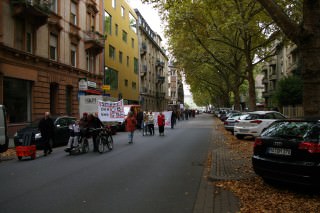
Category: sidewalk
[225,165]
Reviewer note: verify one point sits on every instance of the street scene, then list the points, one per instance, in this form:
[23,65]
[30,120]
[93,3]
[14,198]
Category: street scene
[159,106]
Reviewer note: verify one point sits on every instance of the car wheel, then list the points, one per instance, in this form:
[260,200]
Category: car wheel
[240,136]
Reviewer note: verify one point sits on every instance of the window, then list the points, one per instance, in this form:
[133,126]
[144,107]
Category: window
[54,6]
[111,78]
[132,42]
[18,35]
[29,42]
[116,26]
[53,47]
[133,23]
[124,36]
[54,91]
[17,99]
[128,60]
[73,55]
[134,85]
[120,56]
[90,22]
[114,3]
[136,65]
[108,23]
[90,58]
[122,11]
[73,13]
[69,100]
[126,82]
[112,52]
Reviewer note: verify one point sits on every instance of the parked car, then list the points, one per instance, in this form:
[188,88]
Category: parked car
[61,132]
[230,122]
[229,114]
[289,151]
[255,123]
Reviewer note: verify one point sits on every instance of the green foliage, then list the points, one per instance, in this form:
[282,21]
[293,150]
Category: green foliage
[289,91]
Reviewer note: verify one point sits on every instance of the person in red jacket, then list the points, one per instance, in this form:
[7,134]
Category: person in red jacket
[161,123]
[131,124]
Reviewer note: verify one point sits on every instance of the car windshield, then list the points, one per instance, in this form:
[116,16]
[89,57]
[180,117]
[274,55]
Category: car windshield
[290,129]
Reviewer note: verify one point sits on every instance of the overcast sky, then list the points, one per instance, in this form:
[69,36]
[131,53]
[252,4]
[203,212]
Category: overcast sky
[150,15]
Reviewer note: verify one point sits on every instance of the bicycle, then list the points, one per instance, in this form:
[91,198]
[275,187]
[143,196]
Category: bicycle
[104,139]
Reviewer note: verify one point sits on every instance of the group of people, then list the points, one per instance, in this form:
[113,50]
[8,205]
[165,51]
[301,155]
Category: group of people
[142,120]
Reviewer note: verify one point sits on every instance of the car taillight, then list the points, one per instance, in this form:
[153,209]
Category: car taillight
[256,121]
[257,142]
[311,147]
[225,123]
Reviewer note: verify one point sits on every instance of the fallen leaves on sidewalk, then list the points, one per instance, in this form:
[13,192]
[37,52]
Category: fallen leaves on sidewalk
[257,196]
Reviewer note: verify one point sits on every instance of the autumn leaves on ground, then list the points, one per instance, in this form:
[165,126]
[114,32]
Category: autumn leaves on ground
[257,196]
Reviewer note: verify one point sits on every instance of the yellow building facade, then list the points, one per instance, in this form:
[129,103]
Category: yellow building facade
[121,52]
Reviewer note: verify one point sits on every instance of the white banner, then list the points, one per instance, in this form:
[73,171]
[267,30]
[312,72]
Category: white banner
[111,111]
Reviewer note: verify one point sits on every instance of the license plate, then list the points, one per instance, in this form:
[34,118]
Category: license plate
[243,130]
[279,151]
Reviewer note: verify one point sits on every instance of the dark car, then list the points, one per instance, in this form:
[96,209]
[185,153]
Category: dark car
[61,132]
[289,151]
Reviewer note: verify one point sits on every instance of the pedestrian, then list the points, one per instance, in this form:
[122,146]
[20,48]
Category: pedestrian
[173,118]
[131,123]
[145,124]
[151,123]
[161,123]
[140,119]
[94,123]
[46,128]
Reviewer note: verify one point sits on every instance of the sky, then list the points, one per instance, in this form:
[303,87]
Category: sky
[150,15]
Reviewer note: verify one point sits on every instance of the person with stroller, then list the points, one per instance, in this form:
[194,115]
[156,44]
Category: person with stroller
[161,123]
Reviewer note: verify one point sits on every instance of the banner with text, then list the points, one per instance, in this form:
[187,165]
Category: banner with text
[111,111]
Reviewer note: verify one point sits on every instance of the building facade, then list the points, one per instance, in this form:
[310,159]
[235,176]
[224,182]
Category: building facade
[153,68]
[46,46]
[176,91]
[284,63]
[121,52]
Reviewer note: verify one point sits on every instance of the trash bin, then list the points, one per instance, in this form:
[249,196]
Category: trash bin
[26,147]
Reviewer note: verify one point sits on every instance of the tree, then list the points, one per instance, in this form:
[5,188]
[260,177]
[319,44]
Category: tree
[289,91]
[306,35]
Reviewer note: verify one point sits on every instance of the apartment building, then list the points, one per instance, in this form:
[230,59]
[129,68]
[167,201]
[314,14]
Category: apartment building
[51,51]
[121,52]
[176,92]
[284,63]
[153,68]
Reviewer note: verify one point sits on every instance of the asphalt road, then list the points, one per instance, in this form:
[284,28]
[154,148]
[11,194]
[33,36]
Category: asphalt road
[155,174]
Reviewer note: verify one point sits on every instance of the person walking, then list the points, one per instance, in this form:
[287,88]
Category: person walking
[161,123]
[151,123]
[46,128]
[140,119]
[173,118]
[131,124]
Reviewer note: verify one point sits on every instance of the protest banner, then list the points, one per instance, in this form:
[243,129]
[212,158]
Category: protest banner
[111,111]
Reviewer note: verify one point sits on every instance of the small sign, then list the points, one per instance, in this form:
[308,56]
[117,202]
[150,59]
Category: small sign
[83,85]
[106,87]
[92,84]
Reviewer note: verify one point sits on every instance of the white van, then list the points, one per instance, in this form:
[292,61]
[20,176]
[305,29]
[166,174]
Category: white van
[4,140]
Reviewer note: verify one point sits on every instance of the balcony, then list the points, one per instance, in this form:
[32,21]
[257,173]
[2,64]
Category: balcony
[35,11]
[144,90]
[160,79]
[265,81]
[143,49]
[94,42]
[144,70]
[159,63]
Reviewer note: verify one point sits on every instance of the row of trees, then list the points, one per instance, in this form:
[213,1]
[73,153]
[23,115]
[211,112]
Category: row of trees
[220,44]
